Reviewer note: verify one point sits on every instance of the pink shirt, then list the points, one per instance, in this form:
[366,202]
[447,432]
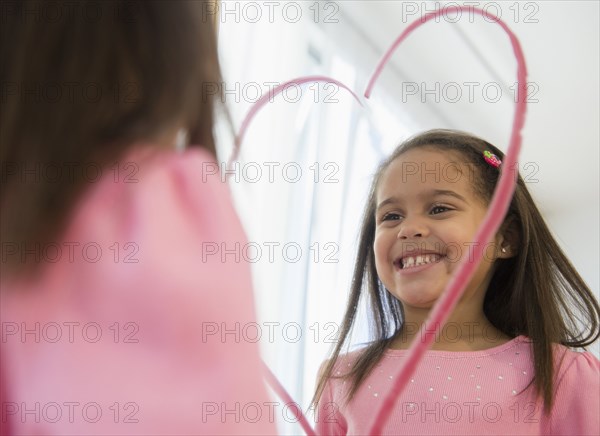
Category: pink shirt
[121,333]
[468,393]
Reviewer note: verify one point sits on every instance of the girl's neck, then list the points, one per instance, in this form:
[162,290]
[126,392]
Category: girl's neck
[457,334]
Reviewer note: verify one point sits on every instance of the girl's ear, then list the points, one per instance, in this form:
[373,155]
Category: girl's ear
[508,239]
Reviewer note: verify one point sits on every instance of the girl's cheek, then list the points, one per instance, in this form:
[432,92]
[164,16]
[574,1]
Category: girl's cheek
[454,252]
[379,248]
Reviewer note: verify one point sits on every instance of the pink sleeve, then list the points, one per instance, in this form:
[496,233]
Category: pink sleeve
[577,400]
[152,329]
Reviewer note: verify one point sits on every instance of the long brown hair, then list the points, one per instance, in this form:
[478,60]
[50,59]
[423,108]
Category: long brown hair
[81,83]
[537,293]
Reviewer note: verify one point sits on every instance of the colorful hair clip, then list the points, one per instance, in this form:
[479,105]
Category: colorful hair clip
[492,159]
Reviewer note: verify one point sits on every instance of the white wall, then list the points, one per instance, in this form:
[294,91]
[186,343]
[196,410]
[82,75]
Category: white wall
[560,155]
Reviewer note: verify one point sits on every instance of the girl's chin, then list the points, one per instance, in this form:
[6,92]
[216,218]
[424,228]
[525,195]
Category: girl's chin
[424,305]
[417,301]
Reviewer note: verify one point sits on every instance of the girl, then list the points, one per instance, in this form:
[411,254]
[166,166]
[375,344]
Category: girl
[500,364]
[109,303]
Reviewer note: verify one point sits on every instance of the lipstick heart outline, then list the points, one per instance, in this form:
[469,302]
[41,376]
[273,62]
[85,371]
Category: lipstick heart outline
[491,223]
[266,98]
[493,219]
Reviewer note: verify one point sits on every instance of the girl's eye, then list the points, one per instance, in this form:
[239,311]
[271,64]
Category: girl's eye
[435,210]
[390,217]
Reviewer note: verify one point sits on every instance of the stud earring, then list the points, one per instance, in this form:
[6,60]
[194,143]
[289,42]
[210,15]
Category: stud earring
[503,250]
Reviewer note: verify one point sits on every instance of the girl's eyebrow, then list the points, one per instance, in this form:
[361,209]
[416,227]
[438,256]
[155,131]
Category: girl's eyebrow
[386,201]
[428,194]
[438,192]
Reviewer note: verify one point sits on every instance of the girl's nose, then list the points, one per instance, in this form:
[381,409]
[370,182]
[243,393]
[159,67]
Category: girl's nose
[411,229]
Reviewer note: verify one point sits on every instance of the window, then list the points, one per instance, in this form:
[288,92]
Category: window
[301,183]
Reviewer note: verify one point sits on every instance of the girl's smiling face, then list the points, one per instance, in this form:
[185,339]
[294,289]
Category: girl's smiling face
[427,214]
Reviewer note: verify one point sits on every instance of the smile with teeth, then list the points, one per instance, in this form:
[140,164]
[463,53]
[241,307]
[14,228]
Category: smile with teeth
[418,260]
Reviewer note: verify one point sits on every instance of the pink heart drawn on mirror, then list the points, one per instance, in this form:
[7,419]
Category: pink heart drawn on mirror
[493,219]
[267,98]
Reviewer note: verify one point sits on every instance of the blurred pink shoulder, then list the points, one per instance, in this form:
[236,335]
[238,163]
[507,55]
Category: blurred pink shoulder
[132,325]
